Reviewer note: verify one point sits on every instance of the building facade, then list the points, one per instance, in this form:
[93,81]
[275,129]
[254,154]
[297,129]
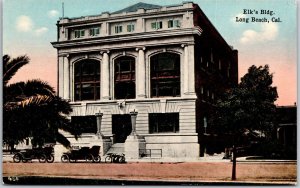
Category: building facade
[145,76]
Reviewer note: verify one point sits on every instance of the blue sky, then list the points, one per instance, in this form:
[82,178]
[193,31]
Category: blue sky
[30,25]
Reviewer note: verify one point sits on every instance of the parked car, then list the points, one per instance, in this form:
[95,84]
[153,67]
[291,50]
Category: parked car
[83,153]
[41,154]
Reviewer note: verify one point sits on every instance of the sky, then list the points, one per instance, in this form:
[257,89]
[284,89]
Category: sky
[30,25]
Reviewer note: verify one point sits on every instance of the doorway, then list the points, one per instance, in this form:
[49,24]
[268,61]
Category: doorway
[121,127]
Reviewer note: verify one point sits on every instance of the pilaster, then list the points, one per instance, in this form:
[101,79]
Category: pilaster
[66,77]
[141,74]
[105,86]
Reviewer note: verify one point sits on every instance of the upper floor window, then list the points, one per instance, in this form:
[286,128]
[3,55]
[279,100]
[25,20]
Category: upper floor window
[130,28]
[157,25]
[118,29]
[79,33]
[173,23]
[228,70]
[94,31]
[124,77]
[87,80]
[165,75]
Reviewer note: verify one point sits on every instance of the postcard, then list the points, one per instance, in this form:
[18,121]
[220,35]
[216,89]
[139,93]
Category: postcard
[127,92]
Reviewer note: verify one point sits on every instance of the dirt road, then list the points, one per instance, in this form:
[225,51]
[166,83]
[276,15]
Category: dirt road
[185,172]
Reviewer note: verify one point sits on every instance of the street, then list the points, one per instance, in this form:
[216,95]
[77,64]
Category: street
[247,172]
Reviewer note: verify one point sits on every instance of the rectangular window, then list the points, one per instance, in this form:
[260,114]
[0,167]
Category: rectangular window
[118,29]
[170,23]
[163,122]
[173,23]
[130,28]
[79,33]
[156,25]
[94,31]
[84,124]
[153,25]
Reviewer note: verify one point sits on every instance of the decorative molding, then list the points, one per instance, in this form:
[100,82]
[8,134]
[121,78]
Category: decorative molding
[140,48]
[104,51]
[137,36]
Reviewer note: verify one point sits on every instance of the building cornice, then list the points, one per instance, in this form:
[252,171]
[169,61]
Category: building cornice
[125,15]
[133,101]
[131,37]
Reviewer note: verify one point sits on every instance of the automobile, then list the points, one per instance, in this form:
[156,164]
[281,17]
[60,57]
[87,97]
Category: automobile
[42,154]
[82,153]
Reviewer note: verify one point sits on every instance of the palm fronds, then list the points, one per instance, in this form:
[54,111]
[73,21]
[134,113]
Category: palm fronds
[10,67]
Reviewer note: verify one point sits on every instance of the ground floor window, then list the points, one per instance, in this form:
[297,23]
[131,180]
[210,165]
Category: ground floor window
[85,124]
[163,122]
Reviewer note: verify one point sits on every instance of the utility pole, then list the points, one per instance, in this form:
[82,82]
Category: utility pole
[233,177]
[63,10]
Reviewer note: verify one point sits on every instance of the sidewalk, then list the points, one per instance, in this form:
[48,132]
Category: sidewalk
[207,158]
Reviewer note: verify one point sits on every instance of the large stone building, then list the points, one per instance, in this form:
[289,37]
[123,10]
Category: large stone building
[143,78]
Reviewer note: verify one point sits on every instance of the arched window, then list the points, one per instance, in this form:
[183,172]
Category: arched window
[125,77]
[165,75]
[87,80]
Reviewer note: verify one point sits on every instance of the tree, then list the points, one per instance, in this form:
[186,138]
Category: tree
[31,109]
[248,108]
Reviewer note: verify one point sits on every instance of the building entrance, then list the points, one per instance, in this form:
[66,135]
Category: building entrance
[121,127]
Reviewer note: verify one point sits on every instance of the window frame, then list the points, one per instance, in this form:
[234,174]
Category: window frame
[95,31]
[118,29]
[79,33]
[125,77]
[156,25]
[81,80]
[173,23]
[163,122]
[130,27]
[85,124]
[162,79]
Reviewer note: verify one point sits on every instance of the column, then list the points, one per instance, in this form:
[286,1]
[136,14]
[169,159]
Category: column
[141,74]
[133,123]
[188,70]
[99,119]
[60,72]
[191,71]
[185,69]
[66,78]
[105,77]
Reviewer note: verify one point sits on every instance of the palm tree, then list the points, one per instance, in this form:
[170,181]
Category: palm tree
[31,109]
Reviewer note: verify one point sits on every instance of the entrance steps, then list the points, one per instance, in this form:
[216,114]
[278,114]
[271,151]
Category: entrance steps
[117,148]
